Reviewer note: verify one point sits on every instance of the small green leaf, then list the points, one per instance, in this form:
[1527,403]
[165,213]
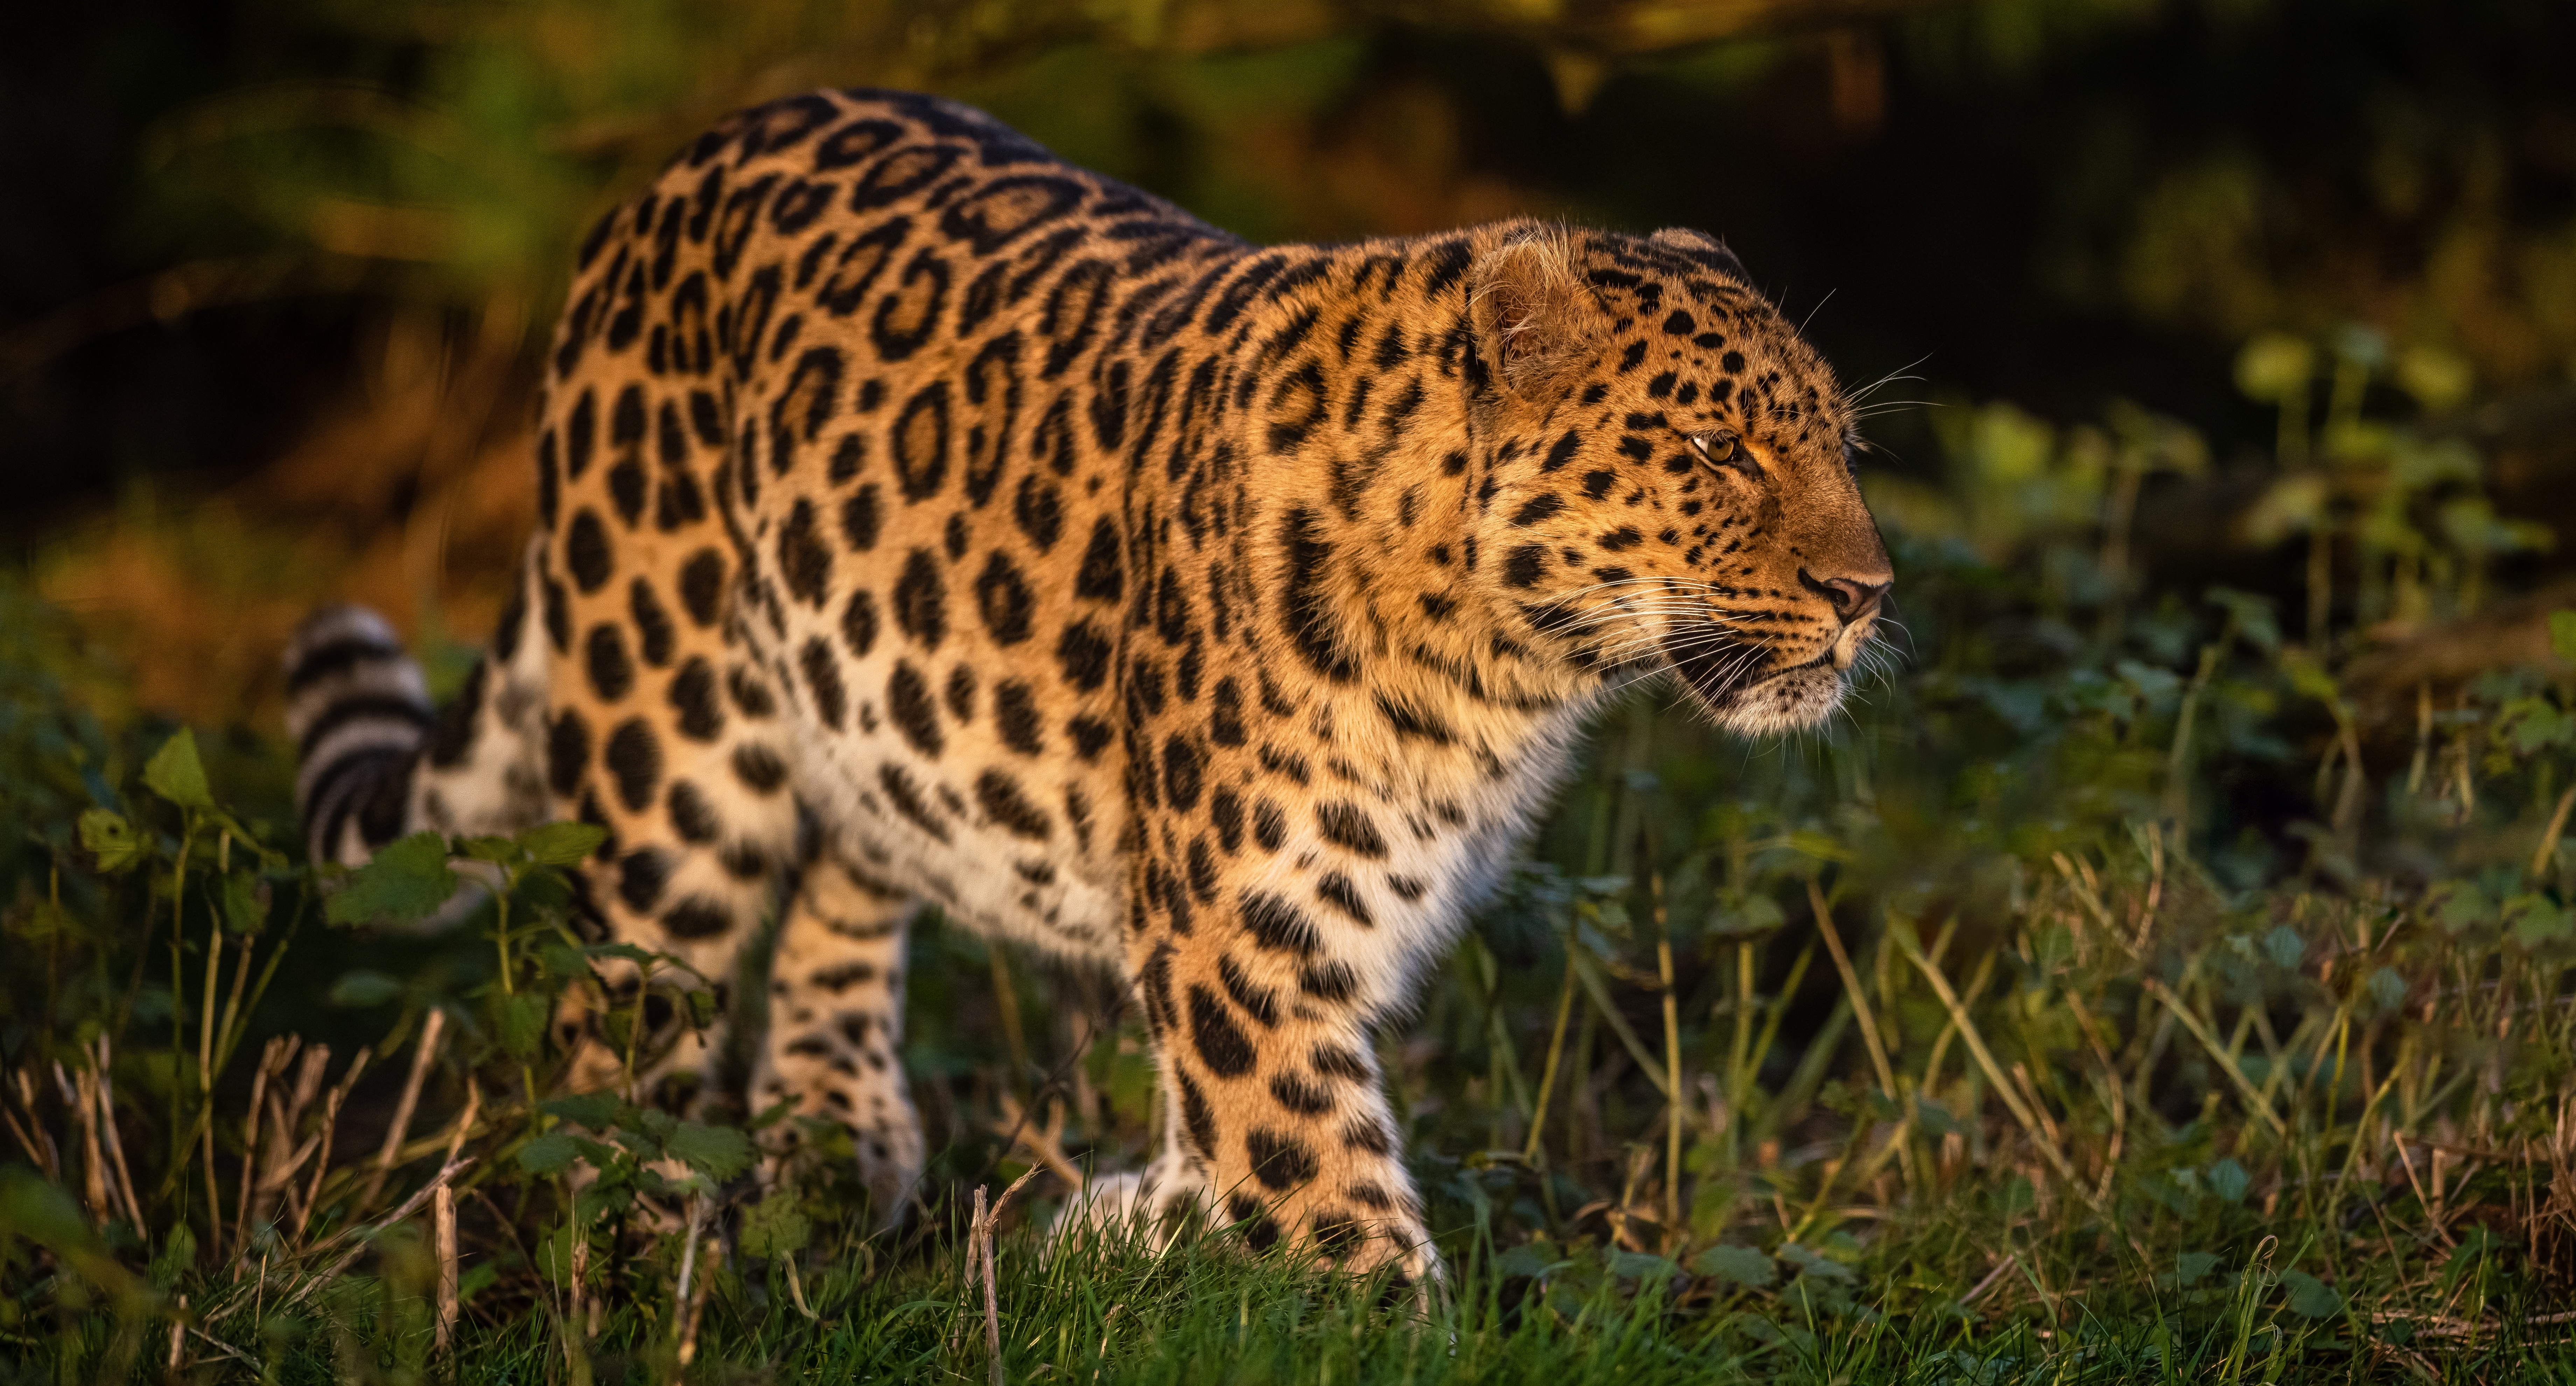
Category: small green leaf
[521,1020]
[1741,1264]
[551,1153]
[111,839]
[1936,1118]
[596,1110]
[364,988]
[718,1152]
[500,851]
[46,920]
[1818,846]
[2562,635]
[1754,914]
[2458,904]
[406,880]
[175,773]
[2387,988]
[639,956]
[1638,1265]
[2311,1297]
[2228,1180]
[1809,1261]
[2536,920]
[2285,946]
[2192,1265]
[554,1255]
[702,1007]
[1527,1259]
[245,903]
[775,1227]
[563,844]
[2274,366]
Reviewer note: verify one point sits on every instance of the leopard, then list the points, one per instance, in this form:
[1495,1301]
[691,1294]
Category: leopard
[924,521]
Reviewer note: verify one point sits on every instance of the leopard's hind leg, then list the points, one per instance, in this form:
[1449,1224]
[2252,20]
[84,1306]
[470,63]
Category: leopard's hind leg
[835,1042]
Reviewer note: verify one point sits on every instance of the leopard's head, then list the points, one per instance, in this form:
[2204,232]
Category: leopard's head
[1669,473]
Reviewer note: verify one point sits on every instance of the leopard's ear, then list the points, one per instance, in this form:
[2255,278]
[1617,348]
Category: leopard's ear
[1704,250]
[1526,301]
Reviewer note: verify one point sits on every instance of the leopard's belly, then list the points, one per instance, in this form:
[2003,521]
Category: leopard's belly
[906,794]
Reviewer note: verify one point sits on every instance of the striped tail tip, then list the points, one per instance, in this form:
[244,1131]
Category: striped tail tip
[359,710]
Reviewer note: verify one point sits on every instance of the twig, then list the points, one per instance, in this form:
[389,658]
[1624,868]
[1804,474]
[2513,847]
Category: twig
[2006,1264]
[230,1351]
[409,1206]
[423,1054]
[980,1238]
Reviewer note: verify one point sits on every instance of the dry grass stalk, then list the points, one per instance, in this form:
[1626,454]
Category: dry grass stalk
[274,1149]
[1861,1011]
[697,1294]
[684,1309]
[979,1250]
[2245,1088]
[330,1128]
[38,1139]
[271,1058]
[580,1271]
[442,1220]
[76,1096]
[36,1155]
[366,1233]
[1995,1078]
[424,1053]
[1046,1145]
[103,1084]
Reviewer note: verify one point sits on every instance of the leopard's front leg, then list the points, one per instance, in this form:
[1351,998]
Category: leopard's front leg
[1263,1035]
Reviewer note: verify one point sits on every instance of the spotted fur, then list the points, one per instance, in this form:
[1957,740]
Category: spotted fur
[1221,613]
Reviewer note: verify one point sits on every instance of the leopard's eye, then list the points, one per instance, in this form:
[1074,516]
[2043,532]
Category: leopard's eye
[1721,450]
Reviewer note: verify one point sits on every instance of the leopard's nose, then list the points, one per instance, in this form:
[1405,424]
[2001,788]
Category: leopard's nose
[1852,597]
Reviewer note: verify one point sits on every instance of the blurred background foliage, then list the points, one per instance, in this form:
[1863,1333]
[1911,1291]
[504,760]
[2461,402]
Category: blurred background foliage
[269,304]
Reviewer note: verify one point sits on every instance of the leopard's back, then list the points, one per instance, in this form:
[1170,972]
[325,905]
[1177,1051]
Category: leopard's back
[831,468]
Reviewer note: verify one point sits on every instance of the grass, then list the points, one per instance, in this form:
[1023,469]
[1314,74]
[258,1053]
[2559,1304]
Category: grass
[2109,998]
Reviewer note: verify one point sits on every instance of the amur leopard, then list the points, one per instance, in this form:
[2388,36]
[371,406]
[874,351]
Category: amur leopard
[923,520]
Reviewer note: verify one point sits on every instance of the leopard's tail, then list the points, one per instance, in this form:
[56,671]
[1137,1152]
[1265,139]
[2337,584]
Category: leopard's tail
[375,761]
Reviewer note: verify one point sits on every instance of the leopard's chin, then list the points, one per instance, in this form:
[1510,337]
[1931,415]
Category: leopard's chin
[1792,700]
[1727,678]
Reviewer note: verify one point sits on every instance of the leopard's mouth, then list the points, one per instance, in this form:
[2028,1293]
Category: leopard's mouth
[1733,678]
